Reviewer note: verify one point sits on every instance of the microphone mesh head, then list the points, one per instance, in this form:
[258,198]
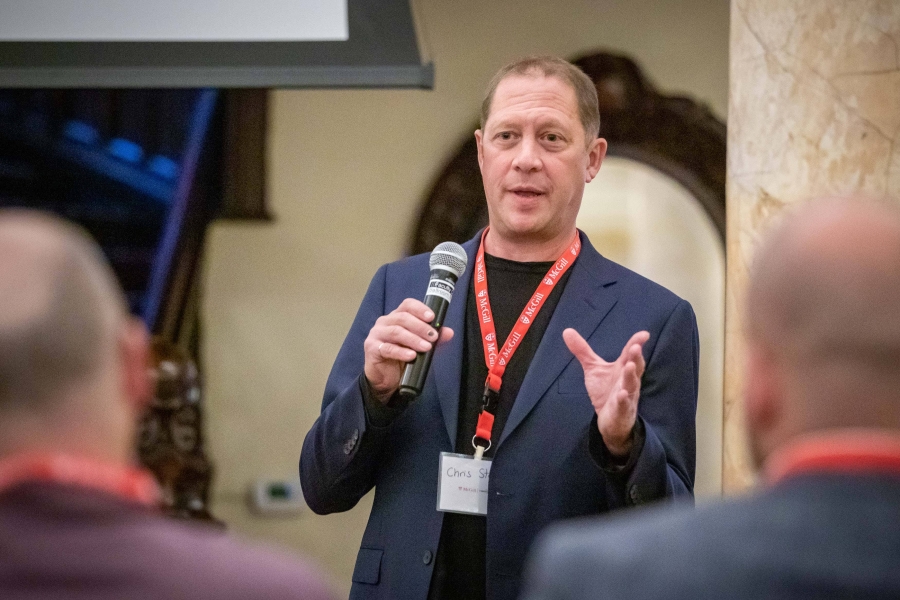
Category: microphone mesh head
[450,256]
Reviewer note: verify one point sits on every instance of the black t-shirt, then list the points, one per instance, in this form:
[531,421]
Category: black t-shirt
[459,570]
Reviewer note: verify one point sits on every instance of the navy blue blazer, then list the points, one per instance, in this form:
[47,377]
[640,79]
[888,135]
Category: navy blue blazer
[542,469]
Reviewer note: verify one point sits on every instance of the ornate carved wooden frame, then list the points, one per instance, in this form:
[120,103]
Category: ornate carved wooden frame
[673,134]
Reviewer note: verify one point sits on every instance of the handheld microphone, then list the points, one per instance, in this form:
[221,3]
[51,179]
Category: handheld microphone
[448,261]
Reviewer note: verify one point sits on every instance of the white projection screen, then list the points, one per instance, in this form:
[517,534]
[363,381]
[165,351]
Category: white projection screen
[210,43]
[173,20]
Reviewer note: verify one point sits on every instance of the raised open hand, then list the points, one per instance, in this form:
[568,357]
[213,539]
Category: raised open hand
[614,387]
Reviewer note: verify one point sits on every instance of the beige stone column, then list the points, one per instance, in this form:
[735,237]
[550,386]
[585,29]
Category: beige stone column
[814,110]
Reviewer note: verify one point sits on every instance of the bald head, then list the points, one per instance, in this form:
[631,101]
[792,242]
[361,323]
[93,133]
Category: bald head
[60,308]
[824,305]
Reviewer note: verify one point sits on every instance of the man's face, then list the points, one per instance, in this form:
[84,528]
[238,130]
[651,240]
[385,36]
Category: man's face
[535,159]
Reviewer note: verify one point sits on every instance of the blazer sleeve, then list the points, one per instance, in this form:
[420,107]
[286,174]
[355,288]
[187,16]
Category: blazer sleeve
[664,466]
[341,452]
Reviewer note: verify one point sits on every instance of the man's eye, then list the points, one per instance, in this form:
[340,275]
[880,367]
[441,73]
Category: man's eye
[553,137]
[505,135]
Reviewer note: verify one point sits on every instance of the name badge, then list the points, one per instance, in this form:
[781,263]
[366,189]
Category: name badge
[463,484]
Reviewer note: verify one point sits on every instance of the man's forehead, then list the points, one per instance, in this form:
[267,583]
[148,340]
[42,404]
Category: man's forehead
[533,82]
[528,92]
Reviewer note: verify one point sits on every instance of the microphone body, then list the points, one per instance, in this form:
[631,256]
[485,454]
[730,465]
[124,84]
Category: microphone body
[448,261]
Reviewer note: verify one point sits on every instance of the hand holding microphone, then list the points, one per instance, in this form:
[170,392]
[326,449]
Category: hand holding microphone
[401,343]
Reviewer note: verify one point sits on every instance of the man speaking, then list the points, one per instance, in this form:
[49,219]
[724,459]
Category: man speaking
[510,431]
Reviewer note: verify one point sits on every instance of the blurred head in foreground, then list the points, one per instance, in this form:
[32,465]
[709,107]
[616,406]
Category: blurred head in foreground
[73,362]
[823,324]
[79,520]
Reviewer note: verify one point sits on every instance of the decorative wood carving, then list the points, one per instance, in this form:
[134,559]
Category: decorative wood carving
[171,434]
[673,134]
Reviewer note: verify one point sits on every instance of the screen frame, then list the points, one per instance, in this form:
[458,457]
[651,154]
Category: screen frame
[382,51]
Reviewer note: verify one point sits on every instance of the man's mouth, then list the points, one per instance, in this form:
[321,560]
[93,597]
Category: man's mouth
[527,192]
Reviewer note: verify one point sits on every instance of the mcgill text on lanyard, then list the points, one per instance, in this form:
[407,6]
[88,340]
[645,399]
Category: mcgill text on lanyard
[497,360]
[463,480]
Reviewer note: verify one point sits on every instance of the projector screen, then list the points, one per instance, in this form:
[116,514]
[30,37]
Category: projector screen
[213,43]
[173,20]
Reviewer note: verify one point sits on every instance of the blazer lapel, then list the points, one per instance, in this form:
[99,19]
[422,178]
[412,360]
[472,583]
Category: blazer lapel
[584,303]
[446,368]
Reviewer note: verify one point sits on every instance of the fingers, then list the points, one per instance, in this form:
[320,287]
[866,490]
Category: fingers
[390,351]
[637,340]
[416,308]
[415,317]
[634,364]
[632,352]
[405,350]
[394,340]
[403,332]
[631,381]
[446,335]
[636,357]
[408,332]
[579,347]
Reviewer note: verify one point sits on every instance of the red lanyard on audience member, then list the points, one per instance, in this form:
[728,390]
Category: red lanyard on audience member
[129,483]
[846,451]
[497,359]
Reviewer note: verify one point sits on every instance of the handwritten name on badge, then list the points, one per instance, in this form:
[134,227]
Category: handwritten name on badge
[463,484]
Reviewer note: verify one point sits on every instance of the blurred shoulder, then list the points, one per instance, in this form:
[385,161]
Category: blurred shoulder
[215,564]
[651,552]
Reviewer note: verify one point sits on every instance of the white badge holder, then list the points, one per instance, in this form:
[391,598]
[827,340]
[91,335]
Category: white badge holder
[463,484]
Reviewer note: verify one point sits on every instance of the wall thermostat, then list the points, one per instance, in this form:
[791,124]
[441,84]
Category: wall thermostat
[277,497]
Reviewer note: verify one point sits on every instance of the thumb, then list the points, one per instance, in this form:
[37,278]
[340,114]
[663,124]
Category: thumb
[578,346]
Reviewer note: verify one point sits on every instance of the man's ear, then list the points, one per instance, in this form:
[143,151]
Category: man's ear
[134,351]
[596,154]
[763,392]
[478,140]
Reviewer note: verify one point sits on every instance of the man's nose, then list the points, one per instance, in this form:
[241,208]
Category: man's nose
[528,156]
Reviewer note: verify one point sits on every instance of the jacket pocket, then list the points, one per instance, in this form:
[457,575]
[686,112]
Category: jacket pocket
[368,566]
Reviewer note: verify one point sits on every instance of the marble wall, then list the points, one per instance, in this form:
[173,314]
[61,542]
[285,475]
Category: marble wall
[814,109]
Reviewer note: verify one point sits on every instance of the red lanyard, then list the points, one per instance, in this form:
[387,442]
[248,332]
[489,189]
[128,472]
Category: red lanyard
[130,483]
[496,358]
[841,451]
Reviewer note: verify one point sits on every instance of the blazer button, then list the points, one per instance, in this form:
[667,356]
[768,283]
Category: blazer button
[356,435]
[426,558]
[634,494]
[348,446]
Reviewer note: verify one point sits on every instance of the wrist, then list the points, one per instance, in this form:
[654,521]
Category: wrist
[383,397]
[619,447]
